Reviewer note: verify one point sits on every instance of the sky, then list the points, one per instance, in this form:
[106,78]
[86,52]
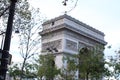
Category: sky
[100,14]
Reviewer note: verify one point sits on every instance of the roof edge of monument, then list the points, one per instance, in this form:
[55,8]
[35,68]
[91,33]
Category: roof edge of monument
[74,20]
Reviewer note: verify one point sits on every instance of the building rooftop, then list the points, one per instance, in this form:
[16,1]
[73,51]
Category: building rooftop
[74,25]
[76,21]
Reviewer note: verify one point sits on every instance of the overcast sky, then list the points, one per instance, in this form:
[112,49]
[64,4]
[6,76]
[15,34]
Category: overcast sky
[100,14]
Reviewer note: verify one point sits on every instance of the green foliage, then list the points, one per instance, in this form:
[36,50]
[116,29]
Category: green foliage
[46,67]
[15,71]
[115,64]
[28,21]
[21,7]
[69,69]
[91,63]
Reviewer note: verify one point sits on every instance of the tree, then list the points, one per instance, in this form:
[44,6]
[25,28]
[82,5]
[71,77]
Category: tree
[4,5]
[69,69]
[72,5]
[29,37]
[23,13]
[46,67]
[91,63]
[28,21]
[15,71]
[30,40]
[115,64]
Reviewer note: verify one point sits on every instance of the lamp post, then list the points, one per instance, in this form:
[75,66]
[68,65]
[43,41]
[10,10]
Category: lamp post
[6,47]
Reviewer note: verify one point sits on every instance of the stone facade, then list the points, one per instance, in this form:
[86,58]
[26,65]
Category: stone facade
[68,35]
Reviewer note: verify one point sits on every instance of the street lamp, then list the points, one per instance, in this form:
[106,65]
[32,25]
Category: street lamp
[5,52]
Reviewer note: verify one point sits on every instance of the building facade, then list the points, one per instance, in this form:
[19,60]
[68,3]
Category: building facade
[67,35]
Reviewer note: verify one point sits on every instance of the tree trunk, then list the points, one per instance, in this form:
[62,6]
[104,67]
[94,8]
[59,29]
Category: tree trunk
[22,69]
[87,75]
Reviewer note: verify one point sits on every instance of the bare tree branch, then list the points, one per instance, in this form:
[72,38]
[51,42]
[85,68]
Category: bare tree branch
[4,11]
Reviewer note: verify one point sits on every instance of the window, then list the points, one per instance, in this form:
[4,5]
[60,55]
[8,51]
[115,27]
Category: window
[52,23]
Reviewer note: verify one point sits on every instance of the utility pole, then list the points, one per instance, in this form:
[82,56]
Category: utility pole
[5,52]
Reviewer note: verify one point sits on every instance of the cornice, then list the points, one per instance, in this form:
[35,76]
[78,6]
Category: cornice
[68,27]
[74,20]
